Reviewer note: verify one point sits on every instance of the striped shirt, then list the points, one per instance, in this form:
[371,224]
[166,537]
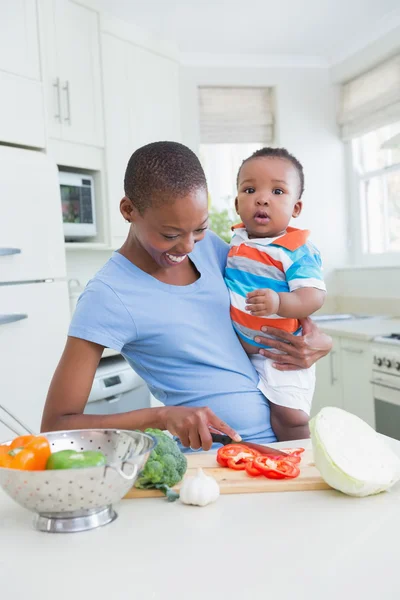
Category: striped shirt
[283,264]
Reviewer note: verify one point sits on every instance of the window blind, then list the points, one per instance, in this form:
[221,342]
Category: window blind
[236,115]
[371,100]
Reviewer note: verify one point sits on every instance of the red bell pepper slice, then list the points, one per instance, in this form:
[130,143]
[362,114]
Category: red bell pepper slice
[232,451]
[251,469]
[273,469]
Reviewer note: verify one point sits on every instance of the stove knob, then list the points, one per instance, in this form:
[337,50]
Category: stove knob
[388,363]
[398,366]
[378,361]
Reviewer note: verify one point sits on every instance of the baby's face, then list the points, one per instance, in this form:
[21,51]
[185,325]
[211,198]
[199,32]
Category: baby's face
[268,196]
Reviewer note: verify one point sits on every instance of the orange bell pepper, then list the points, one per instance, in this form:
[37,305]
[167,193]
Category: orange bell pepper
[26,452]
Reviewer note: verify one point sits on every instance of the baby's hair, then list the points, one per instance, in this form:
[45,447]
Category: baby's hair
[160,173]
[277,153]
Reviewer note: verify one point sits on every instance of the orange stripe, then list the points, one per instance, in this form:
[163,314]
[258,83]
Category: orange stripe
[252,322]
[293,239]
[254,254]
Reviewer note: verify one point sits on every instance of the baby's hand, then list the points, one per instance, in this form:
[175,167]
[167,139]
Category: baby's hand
[262,303]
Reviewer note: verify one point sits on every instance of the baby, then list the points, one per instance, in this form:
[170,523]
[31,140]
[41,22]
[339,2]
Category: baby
[274,276]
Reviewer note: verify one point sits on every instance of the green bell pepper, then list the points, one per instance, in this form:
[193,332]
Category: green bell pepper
[71,459]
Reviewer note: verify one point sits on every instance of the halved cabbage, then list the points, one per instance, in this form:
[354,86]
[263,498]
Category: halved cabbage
[351,456]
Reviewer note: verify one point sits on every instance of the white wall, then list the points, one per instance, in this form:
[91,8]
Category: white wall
[374,290]
[306,126]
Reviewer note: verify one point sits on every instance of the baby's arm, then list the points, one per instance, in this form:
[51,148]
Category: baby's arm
[298,304]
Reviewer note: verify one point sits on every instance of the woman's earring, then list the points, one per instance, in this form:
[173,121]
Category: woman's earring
[127,220]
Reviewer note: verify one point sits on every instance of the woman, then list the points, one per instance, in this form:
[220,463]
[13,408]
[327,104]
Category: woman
[161,301]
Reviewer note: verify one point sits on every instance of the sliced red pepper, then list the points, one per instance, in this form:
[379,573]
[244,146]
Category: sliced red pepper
[295,460]
[274,469]
[233,450]
[251,469]
[236,466]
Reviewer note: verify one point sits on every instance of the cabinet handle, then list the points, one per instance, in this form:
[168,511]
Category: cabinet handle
[56,85]
[333,378]
[9,251]
[5,319]
[66,90]
[354,350]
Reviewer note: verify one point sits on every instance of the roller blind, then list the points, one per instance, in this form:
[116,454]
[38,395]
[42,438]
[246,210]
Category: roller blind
[371,100]
[236,115]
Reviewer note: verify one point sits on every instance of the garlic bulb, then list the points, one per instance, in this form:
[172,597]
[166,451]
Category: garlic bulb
[199,490]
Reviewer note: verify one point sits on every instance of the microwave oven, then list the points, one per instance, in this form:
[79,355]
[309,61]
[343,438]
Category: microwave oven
[78,205]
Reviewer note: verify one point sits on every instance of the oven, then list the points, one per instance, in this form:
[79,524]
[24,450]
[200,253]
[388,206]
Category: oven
[386,386]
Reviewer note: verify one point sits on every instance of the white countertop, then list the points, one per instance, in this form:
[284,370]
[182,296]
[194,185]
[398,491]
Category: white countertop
[362,329]
[280,546]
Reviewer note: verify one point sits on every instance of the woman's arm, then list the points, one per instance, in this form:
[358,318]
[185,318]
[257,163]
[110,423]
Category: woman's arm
[70,389]
[301,351]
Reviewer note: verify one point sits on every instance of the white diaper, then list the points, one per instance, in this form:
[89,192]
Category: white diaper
[293,389]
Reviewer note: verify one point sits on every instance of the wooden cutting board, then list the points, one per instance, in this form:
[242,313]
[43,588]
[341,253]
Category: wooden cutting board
[238,482]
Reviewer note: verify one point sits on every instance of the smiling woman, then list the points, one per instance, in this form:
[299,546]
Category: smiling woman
[161,301]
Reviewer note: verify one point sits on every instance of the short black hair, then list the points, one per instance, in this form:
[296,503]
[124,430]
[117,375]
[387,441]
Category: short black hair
[162,172]
[277,153]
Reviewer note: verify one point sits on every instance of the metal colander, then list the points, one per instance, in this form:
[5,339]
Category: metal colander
[78,499]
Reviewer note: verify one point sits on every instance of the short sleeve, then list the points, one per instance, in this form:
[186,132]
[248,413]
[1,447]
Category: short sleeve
[221,249]
[101,317]
[306,269]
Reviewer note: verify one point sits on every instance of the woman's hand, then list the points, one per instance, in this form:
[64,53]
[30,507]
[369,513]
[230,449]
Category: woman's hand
[192,426]
[300,351]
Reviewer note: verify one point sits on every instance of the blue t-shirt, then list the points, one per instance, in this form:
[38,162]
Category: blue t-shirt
[179,339]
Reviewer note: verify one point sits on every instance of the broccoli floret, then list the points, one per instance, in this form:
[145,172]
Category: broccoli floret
[165,467]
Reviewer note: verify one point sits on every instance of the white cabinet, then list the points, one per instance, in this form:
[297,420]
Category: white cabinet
[19,43]
[30,346]
[328,388]
[144,109]
[22,118]
[31,230]
[343,379]
[356,375]
[72,72]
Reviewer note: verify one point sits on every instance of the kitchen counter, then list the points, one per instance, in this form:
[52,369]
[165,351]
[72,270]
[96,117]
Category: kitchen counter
[362,329]
[280,546]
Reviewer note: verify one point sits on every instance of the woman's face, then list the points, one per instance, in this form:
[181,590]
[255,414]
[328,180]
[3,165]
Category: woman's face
[168,233]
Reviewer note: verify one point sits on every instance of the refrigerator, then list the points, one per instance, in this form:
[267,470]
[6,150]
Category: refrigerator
[34,303]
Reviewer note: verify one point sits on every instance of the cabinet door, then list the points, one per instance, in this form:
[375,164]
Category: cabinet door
[31,220]
[145,109]
[19,43]
[356,365]
[22,112]
[154,93]
[30,347]
[328,388]
[119,145]
[75,82]
[22,119]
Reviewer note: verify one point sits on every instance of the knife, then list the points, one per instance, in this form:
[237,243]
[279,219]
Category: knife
[223,439]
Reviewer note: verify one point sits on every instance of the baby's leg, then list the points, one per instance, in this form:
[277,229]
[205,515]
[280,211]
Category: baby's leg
[289,423]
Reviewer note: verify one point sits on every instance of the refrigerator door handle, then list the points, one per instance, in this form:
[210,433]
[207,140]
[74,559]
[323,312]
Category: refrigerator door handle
[9,251]
[5,319]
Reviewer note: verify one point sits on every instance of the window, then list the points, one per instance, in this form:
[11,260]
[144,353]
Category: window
[234,123]
[377,175]
[370,121]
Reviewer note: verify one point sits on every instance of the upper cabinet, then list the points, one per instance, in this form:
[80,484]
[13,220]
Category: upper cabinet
[22,118]
[72,75]
[145,109]
[19,44]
